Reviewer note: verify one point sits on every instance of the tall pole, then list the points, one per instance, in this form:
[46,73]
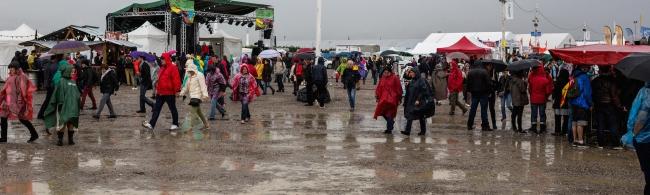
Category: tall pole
[319,15]
[502,45]
[584,37]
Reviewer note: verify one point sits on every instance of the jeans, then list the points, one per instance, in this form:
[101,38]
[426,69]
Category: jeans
[171,103]
[390,123]
[144,99]
[476,99]
[515,119]
[215,104]
[506,102]
[643,152]
[352,93]
[453,102]
[491,104]
[538,109]
[88,91]
[245,111]
[423,125]
[279,79]
[106,100]
[267,84]
[606,116]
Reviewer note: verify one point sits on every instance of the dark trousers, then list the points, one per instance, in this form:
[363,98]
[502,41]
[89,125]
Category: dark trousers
[296,85]
[476,99]
[310,92]
[606,114]
[4,125]
[245,110]
[144,99]
[492,99]
[643,152]
[423,125]
[321,93]
[88,91]
[48,96]
[538,110]
[374,77]
[515,119]
[171,103]
[561,124]
[279,79]
[390,123]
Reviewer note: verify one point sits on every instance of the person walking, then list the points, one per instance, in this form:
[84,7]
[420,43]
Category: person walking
[259,68]
[492,93]
[267,77]
[519,92]
[581,103]
[478,85]
[278,70]
[607,107]
[389,96]
[439,81]
[87,81]
[62,111]
[216,84]
[197,91]
[341,69]
[319,80]
[309,81]
[48,77]
[505,96]
[108,85]
[417,91]
[540,88]
[169,84]
[350,79]
[455,87]
[16,102]
[561,110]
[146,83]
[245,90]
[639,124]
[128,71]
[297,76]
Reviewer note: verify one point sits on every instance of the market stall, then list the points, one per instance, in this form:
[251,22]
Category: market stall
[598,54]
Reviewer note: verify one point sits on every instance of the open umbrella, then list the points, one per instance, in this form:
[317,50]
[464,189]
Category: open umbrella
[146,56]
[47,55]
[636,66]
[267,54]
[498,65]
[457,55]
[305,50]
[305,56]
[66,47]
[523,65]
[389,52]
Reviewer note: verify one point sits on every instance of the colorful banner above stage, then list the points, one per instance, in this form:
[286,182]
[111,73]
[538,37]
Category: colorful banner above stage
[264,19]
[185,8]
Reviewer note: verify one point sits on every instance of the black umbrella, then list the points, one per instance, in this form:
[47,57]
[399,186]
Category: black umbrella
[498,65]
[523,65]
[306,56]
[636,66]
[389,52]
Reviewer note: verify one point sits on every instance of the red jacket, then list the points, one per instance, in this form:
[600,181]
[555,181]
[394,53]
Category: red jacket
[169,80]
[388,94]
[540,86]
[455,79]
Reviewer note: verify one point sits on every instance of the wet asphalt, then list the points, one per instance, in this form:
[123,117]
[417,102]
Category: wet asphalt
[288,148]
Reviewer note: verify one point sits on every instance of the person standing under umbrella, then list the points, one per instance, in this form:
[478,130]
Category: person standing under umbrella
[519,93]
[62,111]
[607,107]
[540,88]
[16,102]
[561,110]
[259,69]
[478,85]
[169,84]
[389,96]
[581,104]
[319,77]
[108,85]
[297,73]
[267,76]
[639,124]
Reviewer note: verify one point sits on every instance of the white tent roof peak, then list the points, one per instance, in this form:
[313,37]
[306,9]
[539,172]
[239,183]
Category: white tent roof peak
[216,33]
[22,33]
[147,29]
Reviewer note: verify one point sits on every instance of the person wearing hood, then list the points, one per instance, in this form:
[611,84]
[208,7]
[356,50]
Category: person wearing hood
[363,70]
[581,104]
[259,68]
[309,81]
[455,87]
[197,90]
[639,125]
[168,86]
[439,81]
[492,93]
[561,110]
[63,109]
[267,76]
[478,86]
[607,107]
[278,70]
[417,91]
[87,80]
[16,102]
[108,85]
[319,79]
[245,90]
[48,75]
[216,84]
[341,69]
[540,88]
[350,79]
[519,93]
[389,96]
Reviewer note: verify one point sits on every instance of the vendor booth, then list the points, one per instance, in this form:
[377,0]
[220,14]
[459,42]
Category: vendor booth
[598,54]
[150,39]
[222,43]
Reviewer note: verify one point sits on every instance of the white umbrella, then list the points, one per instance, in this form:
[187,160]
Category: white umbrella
[266,54]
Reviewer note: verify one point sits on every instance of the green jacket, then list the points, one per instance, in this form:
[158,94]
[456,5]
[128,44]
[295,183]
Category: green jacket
[64,104]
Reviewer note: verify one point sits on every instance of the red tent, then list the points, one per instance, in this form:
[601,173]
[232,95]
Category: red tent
[464,45]
[598,54]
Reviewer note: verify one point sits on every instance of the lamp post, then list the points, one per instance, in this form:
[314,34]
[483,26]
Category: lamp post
[319,17]
[502,47]
[634,33]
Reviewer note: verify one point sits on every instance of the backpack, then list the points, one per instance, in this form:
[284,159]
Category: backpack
[574,90]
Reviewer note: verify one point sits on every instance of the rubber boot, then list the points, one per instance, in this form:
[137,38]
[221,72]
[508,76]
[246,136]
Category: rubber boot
[542,128]
[533,128]
[70,137]
[59,134]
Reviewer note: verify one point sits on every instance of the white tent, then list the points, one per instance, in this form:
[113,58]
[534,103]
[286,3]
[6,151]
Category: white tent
[439,40]
[150,39]
[547,40]
[9,40]
[221,42]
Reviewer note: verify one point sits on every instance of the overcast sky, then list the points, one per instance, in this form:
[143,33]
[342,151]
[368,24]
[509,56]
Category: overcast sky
[364,19]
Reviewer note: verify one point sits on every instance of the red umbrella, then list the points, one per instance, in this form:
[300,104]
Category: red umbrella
[598,54]
[305,50]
